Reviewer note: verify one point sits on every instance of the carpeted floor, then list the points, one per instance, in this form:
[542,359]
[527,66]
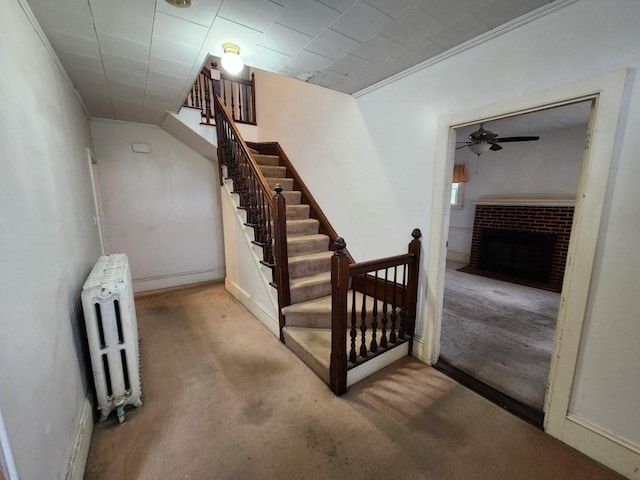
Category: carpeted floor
[500,333]
[224,399]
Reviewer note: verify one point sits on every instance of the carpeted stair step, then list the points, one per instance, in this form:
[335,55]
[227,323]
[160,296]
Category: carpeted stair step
[312,346]
[297,212]
[266,159]
[286,183]
[293,197]
[274,172]
[308,226]
[316,313]
[310,287]
[304,244]
[310,264]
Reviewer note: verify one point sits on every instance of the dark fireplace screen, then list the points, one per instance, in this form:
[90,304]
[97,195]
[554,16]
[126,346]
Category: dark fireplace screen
[526,255]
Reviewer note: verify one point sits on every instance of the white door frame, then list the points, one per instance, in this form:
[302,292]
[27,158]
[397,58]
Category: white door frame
[606,92]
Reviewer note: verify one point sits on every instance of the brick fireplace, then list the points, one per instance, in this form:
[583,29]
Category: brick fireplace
[523,237]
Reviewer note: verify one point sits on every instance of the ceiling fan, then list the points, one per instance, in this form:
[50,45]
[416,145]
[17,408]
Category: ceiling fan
[481,141]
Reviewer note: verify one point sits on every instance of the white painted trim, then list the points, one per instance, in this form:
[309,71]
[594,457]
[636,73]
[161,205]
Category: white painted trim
[7,462]
[376,364]
[418,348]
[526,200]
[606,91]
[606,447]
[177,279]
[80,452]
[479,40]
[52,53]
[257,309]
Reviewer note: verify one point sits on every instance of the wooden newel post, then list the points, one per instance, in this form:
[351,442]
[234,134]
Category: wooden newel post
[412,285]
[281,254]
[339,289]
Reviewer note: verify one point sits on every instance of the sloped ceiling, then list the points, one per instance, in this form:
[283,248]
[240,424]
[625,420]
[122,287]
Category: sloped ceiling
[135,59]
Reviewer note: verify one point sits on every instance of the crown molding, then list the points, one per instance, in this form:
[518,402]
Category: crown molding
[469,44]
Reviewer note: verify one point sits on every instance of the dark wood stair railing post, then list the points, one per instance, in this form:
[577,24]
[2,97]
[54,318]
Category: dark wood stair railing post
[339,289]
[281,255]
[412,285]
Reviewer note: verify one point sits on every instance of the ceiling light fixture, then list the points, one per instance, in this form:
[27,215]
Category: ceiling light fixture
[480,148]
[179,3]
[231,60]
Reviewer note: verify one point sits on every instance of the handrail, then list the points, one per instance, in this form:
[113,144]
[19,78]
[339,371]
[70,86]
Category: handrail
[274,148]
[240,96]
[256,196]
[389,297]
[237,93]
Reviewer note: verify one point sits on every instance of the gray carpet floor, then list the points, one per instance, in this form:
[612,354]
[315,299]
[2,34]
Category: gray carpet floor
[225,400]
[499,333]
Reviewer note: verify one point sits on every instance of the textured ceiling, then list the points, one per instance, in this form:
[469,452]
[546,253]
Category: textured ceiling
[135,59]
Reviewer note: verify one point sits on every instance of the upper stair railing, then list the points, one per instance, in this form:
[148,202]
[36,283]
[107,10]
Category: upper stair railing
[375,302]
[237,93]
[266,213]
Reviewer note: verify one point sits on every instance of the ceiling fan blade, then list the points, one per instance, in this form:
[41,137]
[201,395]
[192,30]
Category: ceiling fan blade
[462,146]
[495,147]
[516,139]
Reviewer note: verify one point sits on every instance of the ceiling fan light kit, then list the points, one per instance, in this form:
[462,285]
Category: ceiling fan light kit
[179,3]
[481,141]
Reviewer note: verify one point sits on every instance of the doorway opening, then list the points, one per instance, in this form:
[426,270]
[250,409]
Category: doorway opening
[508,238]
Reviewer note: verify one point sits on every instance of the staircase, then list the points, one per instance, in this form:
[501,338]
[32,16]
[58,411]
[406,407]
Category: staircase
[344,319]
[307,320]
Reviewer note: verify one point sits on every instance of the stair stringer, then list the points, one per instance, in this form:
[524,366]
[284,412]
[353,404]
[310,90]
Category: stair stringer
[186,127]
[247,280]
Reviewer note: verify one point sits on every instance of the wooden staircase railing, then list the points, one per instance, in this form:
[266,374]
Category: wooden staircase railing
[382,293]
[265,213]
[238,94]
[385,322]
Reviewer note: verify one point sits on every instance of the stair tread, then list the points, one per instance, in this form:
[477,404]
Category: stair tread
[323,305]
[310,256]
[306,238]
[310,280]
[312,346]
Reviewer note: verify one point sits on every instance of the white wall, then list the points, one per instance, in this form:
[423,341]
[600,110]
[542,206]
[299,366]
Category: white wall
[49,243]
[585,39]
[161,208]
[325,137]
[548,166]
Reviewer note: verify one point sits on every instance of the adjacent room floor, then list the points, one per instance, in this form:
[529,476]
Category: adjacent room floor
[499,333]
[224,399]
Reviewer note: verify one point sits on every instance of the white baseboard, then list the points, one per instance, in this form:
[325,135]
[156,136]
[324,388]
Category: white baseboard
[177,279]
[418,348]
[258,310]
[378,363]
[80,452]
[603,446]
[462,257]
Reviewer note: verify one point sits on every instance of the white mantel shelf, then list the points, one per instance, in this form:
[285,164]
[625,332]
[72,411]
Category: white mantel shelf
[530,200]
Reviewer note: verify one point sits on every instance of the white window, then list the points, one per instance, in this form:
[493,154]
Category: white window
[456,195]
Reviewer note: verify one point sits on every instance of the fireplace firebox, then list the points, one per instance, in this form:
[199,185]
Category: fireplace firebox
[524,254]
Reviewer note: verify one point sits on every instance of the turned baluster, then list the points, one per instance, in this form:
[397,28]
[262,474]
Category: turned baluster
[384,320]
[374,316]
[392,333]
[363,319]
[353,333]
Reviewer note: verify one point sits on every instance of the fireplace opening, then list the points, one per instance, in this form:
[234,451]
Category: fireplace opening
[527,255]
